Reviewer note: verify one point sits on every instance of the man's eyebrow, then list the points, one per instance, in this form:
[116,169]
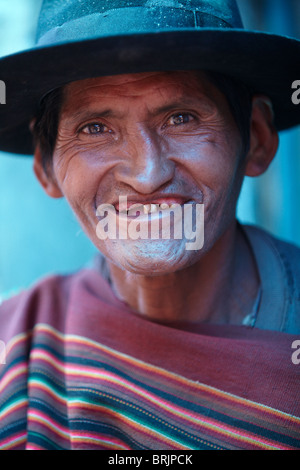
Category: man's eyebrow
[83,114]
[168,107]
[181,104]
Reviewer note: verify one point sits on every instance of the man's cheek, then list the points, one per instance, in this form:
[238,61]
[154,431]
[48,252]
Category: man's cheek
[80,195]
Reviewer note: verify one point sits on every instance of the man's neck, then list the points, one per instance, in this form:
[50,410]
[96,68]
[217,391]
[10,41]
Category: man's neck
[220,288]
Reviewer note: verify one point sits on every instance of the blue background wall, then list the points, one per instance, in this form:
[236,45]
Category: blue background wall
[39,235]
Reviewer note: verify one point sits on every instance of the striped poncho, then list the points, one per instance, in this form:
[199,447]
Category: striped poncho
[84,372]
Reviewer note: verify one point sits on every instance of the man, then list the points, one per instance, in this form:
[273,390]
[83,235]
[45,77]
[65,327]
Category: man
[143,115]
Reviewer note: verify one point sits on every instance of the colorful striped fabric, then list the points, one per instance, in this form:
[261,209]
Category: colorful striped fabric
[61,390]
[82,394]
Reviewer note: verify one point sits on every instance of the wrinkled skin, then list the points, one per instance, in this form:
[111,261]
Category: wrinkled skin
[167,136]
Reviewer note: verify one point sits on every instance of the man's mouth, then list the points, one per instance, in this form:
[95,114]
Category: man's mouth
[164,218]
[151,207]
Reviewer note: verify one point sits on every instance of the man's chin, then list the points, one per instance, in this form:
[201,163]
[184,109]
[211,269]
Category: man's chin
[152,257]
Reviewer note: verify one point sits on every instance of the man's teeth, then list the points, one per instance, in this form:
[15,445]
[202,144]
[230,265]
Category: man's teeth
[150,208]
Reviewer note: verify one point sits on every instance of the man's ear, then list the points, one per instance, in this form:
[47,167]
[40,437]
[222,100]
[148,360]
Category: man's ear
[46,180]
[264,138]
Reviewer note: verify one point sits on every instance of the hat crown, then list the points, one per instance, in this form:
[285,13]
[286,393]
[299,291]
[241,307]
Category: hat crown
[123,17]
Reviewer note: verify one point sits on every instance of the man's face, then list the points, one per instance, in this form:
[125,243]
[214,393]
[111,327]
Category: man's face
[155,138]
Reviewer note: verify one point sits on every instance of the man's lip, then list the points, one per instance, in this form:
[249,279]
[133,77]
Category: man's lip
[125,205]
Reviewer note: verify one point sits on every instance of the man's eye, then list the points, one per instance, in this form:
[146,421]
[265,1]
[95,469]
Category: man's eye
[180,118]
[95,128]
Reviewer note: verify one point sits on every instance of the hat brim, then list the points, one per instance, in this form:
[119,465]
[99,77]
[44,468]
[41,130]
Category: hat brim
[268,63]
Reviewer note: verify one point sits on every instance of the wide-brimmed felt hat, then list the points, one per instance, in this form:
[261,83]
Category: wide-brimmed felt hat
[81,39]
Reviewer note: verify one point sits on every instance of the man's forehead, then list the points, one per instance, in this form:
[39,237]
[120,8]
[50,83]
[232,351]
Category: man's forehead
[138,82]
[163,84]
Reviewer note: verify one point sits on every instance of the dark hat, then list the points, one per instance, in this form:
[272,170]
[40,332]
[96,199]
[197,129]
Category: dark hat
[81,39]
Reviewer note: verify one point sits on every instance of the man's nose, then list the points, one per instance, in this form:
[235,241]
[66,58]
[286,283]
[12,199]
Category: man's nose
[146,164]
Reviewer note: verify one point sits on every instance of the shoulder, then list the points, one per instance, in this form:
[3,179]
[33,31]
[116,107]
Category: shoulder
[287,252]
[56,300]
[278,264]
[42,302]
